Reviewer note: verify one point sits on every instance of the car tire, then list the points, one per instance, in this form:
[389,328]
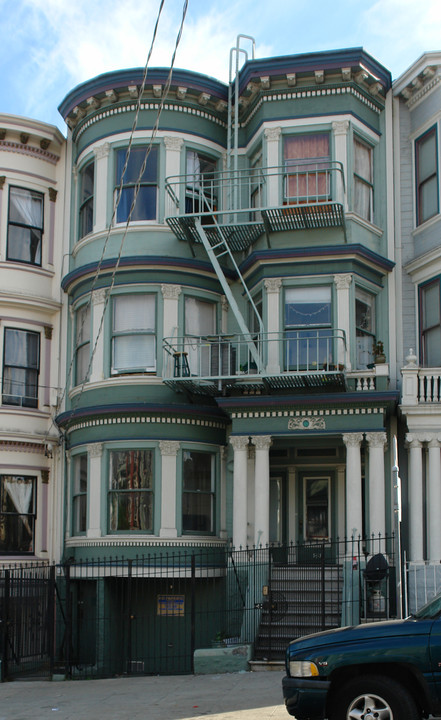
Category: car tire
[385,697]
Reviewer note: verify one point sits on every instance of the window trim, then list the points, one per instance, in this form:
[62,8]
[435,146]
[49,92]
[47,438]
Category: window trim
[418,185]
[212,493]
[78,494]
[369,183]
[147,332]
[85,202]
[150,490]
[32,405]
[155,148]
[32,515]
[34,228]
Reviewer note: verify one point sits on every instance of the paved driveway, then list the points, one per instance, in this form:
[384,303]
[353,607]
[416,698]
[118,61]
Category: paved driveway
[235,696]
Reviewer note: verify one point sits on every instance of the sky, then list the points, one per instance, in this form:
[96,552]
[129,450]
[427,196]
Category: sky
[47,47]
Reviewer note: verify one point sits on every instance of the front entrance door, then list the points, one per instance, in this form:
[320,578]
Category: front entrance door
[315,507]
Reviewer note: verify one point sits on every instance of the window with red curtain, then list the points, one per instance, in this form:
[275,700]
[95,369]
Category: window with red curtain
[306,159]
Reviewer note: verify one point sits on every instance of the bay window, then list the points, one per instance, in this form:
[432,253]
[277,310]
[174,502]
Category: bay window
[145,206]
[86,199]
[430,324]
[426,159]
[79,495]
[198,492]
[363,181]
[306,162]
[25,226]
[82,344]
[364,328]
[134,333]
[21,364]
[309,339]
[17,513]
[131,491]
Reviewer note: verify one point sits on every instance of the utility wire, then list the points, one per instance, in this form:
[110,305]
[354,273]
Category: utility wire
[135,195]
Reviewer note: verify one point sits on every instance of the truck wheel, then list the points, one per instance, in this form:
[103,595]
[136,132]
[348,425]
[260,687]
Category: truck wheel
[373,698]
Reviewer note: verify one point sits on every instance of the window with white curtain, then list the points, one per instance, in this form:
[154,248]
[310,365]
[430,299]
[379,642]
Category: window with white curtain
[200,323]
[308,332]
[17,513]
[82,344]
[430,323]
[25,225]
[134,333]
[363,181]
[364,328]
[21,364]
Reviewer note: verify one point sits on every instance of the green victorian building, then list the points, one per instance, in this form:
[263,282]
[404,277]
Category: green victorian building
[231,373]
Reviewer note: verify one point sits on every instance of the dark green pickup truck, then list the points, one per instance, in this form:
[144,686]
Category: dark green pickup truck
[378,671]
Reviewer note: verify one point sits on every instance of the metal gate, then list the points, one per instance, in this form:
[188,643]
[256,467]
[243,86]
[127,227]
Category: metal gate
[27,620]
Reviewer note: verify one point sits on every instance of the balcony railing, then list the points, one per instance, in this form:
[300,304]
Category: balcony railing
[246,203]
[291,359]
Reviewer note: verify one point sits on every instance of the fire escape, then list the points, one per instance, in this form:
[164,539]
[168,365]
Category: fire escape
[228,212]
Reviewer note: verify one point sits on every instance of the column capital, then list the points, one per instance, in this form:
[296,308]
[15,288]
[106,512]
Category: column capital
[170,292]
[102,151]
[343,281]
[434,441]
[273,285]
[273,134]
[352,439]
[340,127]
[414,441]
[239,442]
[376,439]
[99,296]
[95,450]
[173,143]
[169,447]
[262,442]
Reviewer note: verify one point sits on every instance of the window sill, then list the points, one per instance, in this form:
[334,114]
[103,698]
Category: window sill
[365,223]
[426,225]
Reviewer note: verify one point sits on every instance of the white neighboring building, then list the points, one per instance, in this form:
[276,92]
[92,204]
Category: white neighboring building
[32,158]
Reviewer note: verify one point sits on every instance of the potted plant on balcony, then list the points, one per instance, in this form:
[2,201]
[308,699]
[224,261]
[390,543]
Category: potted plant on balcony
[379,355]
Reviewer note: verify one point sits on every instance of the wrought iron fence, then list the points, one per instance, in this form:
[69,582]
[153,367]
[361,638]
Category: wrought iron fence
[148,614]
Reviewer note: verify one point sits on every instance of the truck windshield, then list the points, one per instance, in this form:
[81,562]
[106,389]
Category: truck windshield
[431,609]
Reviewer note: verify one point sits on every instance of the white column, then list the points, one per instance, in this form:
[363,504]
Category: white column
[95,452]
[101,186]
[434,500]
[272,287]
[240,446]
[272,137]
[354,508]
[170,294]
[262,489]
[169,450]
[377,512]
[343,283]
[97,346]
[340,130]
[415,498]
[223,494]
[173,146]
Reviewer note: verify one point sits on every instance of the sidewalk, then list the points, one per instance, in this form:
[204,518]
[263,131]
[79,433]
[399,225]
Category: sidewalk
[235,696]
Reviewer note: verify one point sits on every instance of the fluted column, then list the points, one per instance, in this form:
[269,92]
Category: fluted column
[95,452]
[342,284]
[434,500]
[102,153]
[261,489]
[377,511]
[415,499]
[169,450]
[240,447]
[223,493]
[354,507]
[272,137]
